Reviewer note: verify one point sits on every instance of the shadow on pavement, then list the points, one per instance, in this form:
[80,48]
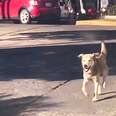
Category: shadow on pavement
[107,98]
[42,22]
[29,104]
[109,92]
[54,63]
[108,95]
[49,63]
[85,35]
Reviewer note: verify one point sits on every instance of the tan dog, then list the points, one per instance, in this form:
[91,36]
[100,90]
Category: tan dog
[94,68]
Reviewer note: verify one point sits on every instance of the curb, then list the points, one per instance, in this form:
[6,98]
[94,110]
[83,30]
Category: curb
[107,21]
[110,17]
[99,22]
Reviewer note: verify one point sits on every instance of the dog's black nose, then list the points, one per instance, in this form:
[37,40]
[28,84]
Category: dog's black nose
[85,66]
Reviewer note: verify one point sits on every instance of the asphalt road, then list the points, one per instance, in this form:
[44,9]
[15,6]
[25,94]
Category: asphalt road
[39,63]
[50,62]
[52,48]
[46,81]
[18,36]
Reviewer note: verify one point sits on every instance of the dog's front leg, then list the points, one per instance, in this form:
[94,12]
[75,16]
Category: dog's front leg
[96,84]
[85,81]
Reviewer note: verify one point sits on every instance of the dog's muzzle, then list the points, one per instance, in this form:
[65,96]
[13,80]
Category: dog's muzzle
[86,68]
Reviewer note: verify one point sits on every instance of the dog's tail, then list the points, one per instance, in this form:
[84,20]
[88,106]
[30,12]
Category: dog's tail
[103,49]
[103,55]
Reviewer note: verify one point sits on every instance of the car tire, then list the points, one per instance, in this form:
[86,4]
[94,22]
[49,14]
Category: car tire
[24,16]
[72,19]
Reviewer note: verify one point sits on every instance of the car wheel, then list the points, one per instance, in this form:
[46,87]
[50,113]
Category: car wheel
[24,17]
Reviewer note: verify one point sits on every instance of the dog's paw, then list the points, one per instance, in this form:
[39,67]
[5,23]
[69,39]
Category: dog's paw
[85,93]
[99,93]
[94,99]
[104,85]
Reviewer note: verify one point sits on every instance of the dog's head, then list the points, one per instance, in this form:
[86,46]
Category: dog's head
[88,60]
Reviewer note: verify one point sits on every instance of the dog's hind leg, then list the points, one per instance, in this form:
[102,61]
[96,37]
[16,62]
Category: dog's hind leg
[105,73]
[99,89]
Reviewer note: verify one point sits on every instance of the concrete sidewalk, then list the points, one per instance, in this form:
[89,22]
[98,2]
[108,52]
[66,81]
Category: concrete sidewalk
[33,97]
[71,102]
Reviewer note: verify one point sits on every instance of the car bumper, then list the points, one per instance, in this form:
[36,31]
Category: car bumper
[39,13]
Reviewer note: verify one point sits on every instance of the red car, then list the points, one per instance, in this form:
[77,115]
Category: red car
[27,10]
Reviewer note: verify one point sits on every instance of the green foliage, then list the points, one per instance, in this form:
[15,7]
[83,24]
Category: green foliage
[111,10]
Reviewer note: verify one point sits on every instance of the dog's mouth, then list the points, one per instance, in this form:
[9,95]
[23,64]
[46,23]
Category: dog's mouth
[86,67]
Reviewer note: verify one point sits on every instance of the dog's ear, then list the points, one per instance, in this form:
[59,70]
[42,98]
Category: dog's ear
[96,55]
[80,55]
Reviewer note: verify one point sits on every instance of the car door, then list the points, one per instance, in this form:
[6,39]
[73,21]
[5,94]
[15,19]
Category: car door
[5,8]
[0,8]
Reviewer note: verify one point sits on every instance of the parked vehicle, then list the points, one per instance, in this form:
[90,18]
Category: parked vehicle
[91,8]
[80,9]
[27,10]
[67,12]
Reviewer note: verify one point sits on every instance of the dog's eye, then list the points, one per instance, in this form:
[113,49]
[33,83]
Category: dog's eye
[83,61]
[89,60]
